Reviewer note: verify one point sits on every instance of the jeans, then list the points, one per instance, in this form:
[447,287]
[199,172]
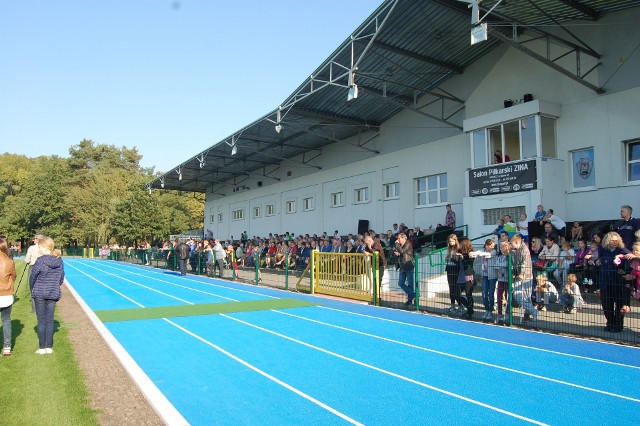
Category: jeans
[182,264]
[488,290]
[409,286]
[5,313]
[44,313]
[522,295]
[569,300]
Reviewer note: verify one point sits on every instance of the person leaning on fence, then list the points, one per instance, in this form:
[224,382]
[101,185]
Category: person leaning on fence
[486,259]
[614,296]
[404,253]
[466,277]
[371,247]
[501,268]
[522,277]
[218,258]
[7,280]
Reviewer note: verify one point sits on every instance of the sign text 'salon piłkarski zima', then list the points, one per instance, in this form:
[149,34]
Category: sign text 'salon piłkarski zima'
[503,178]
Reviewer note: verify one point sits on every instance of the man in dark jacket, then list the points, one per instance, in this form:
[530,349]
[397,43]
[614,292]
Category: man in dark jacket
[182,250]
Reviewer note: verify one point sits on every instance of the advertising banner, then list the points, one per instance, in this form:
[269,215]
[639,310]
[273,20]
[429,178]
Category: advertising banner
[515,176]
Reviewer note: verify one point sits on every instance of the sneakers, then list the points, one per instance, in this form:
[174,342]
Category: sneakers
[453,310]
[487,316]
[571,311]
[6,351]
[41,351]
[48,350]
[543,308]
[501,318]
[461,309]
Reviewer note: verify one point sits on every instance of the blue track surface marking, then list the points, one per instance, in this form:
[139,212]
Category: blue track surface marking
[343,363]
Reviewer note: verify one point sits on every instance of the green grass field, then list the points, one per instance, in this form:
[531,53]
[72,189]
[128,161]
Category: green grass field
[40,389]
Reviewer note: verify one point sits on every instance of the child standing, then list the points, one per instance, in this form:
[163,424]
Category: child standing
[571,299]
[591,267]
[501,265]
[564,262]
[634,274]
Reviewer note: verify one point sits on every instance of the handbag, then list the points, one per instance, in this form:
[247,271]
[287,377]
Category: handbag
[541,263]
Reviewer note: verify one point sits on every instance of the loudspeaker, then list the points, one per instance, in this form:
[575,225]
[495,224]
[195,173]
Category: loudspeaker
[528,97]
[508,103]
[363,226]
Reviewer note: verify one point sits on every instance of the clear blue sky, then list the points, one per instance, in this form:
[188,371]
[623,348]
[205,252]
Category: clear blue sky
[170,77]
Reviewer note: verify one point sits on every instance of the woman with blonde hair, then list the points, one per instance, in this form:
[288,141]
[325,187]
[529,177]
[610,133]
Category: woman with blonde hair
[46,278]
[614,296]
[7,279]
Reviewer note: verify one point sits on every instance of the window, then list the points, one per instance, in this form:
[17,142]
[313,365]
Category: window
[361,195]
[212,218]
[582,166]
[391,190]
[517,139]
[271,209]
[337,199]
[307,204]
[238,214]
[256,212]
[431,190]
[632,151]
[290,206]
[491,216]
[219,217]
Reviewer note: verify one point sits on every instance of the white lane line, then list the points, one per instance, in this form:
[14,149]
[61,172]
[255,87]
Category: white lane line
[142,285]
[487,339]
[163,281]
[151,270]
[389,373]
[158,400]
[265,374]
[422,348]
[105,285]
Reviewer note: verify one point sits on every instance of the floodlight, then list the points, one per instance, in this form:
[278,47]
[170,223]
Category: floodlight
[353,93]
[234,150]
[479,33]
[278,128]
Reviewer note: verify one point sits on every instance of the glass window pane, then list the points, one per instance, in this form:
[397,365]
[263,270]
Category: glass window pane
[420,184]
[548,137]
[634,172]
[443,180]
[479,140]
[528,137]
[433,182]
[495,141]
[422,199]
[634,151]
[512,140]
[433,197]
[443,195]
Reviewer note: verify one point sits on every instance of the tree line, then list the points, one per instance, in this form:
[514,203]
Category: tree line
[94,197]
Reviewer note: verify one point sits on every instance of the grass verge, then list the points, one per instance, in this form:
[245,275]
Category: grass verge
[41,389]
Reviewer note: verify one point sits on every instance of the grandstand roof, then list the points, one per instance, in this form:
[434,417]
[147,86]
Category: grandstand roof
[403,52]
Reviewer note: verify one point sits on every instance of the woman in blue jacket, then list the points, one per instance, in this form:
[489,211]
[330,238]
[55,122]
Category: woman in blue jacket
[46,278]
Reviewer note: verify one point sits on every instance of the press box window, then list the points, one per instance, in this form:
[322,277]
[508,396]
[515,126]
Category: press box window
[290,206]
[391,190]
[431,190]
[361,195]
[271,209]
[337,199]
[307,204]
[238,214]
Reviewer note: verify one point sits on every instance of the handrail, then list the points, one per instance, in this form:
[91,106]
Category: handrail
[441,250]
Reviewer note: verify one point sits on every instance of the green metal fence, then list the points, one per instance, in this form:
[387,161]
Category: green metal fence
[545,310]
